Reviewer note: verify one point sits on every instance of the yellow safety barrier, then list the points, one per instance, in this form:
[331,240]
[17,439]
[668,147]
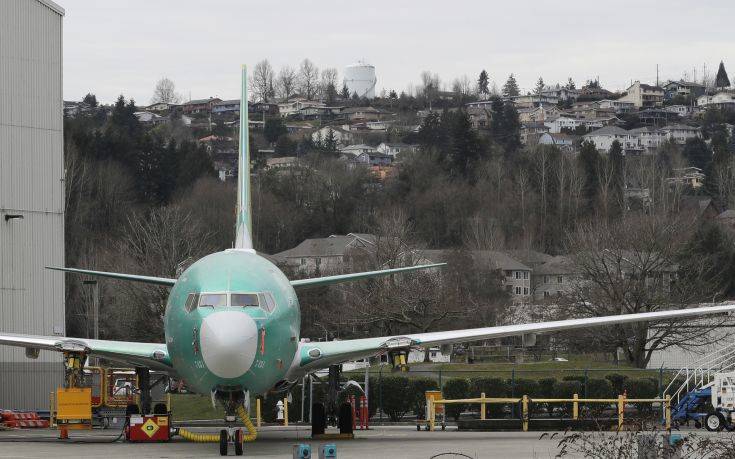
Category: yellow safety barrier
[214,438]
[285,411]
[575,401]
[257,411]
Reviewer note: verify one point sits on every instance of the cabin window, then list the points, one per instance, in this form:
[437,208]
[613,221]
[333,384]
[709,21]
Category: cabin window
[213,300]
[244,300]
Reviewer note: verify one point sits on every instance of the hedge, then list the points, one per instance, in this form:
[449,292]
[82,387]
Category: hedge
[455,388]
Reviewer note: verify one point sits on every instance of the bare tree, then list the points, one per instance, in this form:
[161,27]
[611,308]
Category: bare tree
[165,92]
[308,79]
[286,82]
[329,77]
[631,266]
[263,81]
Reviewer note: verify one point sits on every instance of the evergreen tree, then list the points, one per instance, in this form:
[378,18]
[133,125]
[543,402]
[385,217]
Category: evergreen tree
[330,143]
[570,84]
[331,93]
[617,163]
[482,84]
[589,162]
[505,128]
[393,95]
[722,81]
[345,94]
[91,100]
[539,86]
[273,129]
[510,88]
[698,153]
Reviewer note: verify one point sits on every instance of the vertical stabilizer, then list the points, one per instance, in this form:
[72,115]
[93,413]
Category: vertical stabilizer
[244,225]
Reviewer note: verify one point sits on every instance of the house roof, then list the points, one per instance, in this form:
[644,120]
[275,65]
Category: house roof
[560,264]
[332,246]
[679,127]
[486,258]
[228,102]
[201,101]
[350,110]
[607,130]
[528,256]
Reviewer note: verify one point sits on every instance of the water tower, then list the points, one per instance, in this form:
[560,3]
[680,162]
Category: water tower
[360,79]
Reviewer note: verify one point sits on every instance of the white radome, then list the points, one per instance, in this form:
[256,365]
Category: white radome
[360,78]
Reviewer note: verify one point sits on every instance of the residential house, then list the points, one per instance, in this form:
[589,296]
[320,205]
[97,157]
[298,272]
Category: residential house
[618,106]
[160,107]
[603,138]
[683,88]
[358,149]
[199,105]
[565,142]
[293,106]
[480,104]
[561,93]
[593,93]
[394,149]
[687,176]
[262,109]
[657,116]
[554,278]
[374,159]
[721,100]
[479,117]
[539,114]
[680,133]
[648,137]
[644,95]
[515,276]
[681,110]
[565,123]
[534,100]
[283,162]
[530,132]
[342,137]
[226,106]
[327,255]
[149,118]
[362,114]
[590,110]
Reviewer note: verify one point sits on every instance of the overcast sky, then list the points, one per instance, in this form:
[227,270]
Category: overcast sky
[124,47]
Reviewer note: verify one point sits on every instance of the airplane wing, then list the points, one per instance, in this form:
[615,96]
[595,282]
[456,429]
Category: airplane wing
[317,281]
[151,355]
[120,276]
[313,356]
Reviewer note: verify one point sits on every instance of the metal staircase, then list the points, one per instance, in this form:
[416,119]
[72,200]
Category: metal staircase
[688,380]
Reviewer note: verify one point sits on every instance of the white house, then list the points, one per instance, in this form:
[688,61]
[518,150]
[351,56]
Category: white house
[292,107]
[563,122]
[681,110]
[680,133]
[718,100]
[644,95]
[561,140]
[648,137]
[358,149]
[620,106]
[342,137]
[394,149]
[604,138]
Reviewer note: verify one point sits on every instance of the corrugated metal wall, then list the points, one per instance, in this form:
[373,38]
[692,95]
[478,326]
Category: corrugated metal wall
[31,185]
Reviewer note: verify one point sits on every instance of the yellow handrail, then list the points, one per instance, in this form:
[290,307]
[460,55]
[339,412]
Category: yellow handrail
[575,401]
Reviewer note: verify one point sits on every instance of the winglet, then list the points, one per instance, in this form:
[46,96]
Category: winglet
[355,276]
[120,276]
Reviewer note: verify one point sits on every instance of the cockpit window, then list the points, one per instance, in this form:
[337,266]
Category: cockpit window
[191,301]
[267,302]
[213,299]
[244,299]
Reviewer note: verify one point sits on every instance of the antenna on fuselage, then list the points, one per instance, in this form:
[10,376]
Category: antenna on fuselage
[243,226]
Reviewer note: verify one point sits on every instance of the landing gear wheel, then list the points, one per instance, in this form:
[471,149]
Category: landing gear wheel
[714,422]
[223,440]
[238,442]
[697,424]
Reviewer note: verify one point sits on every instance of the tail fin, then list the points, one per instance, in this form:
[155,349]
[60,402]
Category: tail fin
[244,225]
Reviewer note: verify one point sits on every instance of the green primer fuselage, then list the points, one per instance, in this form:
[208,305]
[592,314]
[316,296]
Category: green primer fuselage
[233,271]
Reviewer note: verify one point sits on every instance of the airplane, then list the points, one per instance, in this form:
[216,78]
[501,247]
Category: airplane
[232,320]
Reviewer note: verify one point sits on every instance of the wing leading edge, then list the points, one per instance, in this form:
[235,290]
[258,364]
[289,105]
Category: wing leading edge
[319,355]
[120,276]
[317,281]
[151,355]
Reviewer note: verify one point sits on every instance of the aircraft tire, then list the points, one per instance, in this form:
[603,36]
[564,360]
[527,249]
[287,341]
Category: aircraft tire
[318,419]
[238,442]
[223,442]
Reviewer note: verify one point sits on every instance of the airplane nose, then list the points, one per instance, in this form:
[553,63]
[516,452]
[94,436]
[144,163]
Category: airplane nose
[229,342]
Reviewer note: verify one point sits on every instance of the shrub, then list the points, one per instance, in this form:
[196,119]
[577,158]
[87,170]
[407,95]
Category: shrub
[493,388]
[567,389]
[546,387]
[600,388]
[641,388]
[453,389]
[397,399]
[418,388]
[617,380]
[578,378]
[523,387]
